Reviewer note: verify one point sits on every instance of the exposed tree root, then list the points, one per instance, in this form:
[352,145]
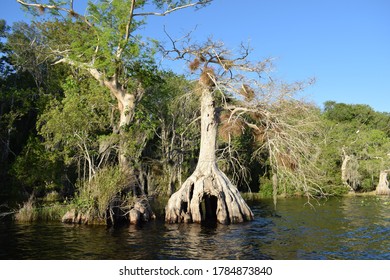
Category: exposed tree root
[118,213]
[205,196]
[140,211]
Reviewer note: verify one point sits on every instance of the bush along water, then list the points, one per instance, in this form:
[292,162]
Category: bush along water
[40,210]
[108,198]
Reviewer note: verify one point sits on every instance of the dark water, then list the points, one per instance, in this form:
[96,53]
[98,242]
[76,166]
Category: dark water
[342,228]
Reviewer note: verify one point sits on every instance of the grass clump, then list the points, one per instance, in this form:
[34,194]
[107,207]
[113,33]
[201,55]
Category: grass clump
[46,210]
[28,212]
[94,197]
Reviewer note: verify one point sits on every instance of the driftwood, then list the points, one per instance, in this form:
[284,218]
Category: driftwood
[383,186]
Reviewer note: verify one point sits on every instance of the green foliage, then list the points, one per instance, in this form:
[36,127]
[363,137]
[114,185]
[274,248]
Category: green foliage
[74,125]
[16,104]
[56,120]
[73,122]
[27,83]
[171,107]
[32,211]
[98,193]
[104,38]
[359,131]
[266,187]
[37,169]
[357,115]
[69,36]
[4,60]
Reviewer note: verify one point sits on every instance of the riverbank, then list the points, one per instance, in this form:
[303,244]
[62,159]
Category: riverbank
[49,211]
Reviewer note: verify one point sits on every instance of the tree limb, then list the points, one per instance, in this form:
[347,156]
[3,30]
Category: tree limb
[173,9]
[111,85]
[57,8]
[127,32]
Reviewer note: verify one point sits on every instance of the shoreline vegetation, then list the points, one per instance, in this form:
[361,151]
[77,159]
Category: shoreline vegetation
[92,127]
[32,211]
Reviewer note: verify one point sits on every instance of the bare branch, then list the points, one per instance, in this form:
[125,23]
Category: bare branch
[56,8]
[173,9]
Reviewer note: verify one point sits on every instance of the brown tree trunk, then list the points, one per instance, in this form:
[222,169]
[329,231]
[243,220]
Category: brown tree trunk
[383,185]
[207,194]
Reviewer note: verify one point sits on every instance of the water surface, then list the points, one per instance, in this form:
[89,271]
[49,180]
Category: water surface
[338,228]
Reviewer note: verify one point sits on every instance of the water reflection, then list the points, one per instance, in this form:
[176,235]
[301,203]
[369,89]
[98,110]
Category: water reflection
[342,228]
[220,242]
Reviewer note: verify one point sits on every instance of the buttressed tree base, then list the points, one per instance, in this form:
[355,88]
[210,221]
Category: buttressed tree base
[207,195]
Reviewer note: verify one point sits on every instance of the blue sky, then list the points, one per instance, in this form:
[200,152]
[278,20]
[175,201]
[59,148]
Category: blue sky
[344,44]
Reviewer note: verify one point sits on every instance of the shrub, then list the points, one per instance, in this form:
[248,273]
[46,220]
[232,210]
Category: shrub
[28,212]
[266,187]
[96,195]
[32,211]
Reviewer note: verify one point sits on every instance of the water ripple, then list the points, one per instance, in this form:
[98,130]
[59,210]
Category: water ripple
[336,229]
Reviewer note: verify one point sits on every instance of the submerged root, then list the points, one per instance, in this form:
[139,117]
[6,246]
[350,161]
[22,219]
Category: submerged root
[207,196]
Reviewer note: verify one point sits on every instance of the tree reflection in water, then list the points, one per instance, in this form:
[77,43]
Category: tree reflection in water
[338,228]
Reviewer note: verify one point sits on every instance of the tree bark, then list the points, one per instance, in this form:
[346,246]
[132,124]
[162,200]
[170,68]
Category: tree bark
[126,106]
[383,185]
[349,172]
[207,195]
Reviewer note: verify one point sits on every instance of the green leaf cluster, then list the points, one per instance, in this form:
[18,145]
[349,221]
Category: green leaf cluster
[77,121]
[99,192]
[359,131]
[37,169]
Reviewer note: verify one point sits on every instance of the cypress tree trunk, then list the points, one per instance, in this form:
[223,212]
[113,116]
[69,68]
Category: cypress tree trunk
[207,195]
[349,172]
[383,185]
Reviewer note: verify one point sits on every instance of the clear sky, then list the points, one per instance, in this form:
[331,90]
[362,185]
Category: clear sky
[344,44]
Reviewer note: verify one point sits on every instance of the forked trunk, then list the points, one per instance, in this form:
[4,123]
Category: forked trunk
[207,195]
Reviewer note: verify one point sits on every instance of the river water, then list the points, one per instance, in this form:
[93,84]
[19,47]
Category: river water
[337,228]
